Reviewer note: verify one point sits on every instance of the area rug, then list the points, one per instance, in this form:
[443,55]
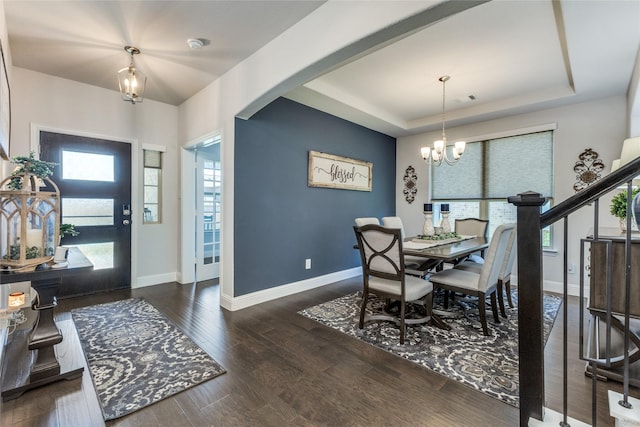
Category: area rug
[485,363]
[137,357]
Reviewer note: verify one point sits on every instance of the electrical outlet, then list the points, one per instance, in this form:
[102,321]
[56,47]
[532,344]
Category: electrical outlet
[307,264]
[571,268]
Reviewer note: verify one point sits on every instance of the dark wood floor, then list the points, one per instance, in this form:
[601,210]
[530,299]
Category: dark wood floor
[284,369]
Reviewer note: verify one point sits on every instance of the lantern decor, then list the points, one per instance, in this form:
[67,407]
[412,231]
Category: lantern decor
[29,215]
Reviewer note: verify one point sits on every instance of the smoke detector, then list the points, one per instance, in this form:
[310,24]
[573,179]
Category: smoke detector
[196,44]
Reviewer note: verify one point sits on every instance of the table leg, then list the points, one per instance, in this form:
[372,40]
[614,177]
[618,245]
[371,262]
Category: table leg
[45,369]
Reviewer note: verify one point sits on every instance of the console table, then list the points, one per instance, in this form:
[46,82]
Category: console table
[613,246]
[30,360]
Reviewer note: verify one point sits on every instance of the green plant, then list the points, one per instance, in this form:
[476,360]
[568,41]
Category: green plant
[618,206]
[31,165]
[68,229]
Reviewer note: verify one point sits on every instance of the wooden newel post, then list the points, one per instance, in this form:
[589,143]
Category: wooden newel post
[530,327]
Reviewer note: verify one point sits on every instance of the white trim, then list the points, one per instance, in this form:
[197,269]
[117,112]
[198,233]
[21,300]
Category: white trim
[155,279]
[512,132]
[135,195]
[205,140]
[154,147]
[244,301]
[573,289]
[187,188]
[553,418]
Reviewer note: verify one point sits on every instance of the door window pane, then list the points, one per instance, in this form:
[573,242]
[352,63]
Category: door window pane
[211,211]
[100,254]
[83,212]
[87,166]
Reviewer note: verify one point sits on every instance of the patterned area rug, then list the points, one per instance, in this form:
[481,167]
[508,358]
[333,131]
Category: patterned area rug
[137,357]
[485,363]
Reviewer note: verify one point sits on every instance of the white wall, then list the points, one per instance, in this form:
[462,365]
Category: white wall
[600,125]
[4,165]
[67,106]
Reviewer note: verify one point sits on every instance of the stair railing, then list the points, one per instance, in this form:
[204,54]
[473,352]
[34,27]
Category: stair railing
[530,222]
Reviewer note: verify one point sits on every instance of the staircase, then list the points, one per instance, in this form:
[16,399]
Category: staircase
[530,222]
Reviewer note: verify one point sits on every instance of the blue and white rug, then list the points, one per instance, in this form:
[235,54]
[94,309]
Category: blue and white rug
[137,357]
[485,363]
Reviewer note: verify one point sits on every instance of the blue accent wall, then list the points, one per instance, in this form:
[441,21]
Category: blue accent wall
[279,220]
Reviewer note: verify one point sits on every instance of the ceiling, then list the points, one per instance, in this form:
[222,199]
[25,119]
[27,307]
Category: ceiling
[511,56]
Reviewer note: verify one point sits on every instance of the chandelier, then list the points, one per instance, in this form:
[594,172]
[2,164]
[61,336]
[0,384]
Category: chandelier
[131,81]
[439,151]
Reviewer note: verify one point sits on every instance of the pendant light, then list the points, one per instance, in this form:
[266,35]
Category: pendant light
[132,81]
[439,151]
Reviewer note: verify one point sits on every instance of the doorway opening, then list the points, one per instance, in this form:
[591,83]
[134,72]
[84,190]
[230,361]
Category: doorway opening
[201,209]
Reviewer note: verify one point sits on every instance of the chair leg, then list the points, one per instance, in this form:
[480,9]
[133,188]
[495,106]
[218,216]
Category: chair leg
[507,287]
[494,307]
[483,314]
[402,313]
[500,299]
[428,303]
[445,303]
[363,307]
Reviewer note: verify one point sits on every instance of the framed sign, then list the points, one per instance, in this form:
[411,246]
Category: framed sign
[5,108]
[327,170]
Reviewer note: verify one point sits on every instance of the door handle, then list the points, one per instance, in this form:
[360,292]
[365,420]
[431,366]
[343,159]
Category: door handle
[126,222]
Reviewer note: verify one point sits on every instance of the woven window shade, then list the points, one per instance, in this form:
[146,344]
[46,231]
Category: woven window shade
[152,159]
[518,164]
[462,181]
[511,165]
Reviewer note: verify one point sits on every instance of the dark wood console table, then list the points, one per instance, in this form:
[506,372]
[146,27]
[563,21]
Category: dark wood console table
[30,360]
[613,246]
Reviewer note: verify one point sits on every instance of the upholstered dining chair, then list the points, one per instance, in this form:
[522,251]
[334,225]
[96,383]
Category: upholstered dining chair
[471,227]
[504,278]
[413,265]
[366,220]
[383,274]
[483,283]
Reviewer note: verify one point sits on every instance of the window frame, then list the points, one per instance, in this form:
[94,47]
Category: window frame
[484,202]
[158,186]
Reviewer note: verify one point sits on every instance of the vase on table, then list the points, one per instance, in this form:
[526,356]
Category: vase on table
[446,226]
[427,228]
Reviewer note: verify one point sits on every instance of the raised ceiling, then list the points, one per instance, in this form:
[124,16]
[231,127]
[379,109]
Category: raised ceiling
[84,40]
[512,56]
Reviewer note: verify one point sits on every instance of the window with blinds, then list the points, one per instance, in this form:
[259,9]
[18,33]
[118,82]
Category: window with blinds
[498,168]
[489,172]
[152,183]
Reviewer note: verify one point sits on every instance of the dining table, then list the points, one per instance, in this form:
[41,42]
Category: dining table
[446,250]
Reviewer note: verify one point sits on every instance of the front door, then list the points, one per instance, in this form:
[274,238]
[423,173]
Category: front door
[94,178]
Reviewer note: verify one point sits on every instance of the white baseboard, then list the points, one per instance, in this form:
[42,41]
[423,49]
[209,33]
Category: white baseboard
[244,301]
[573,289]
[156,279]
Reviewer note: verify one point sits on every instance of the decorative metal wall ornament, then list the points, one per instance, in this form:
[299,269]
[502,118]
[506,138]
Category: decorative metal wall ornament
[410,189]
[587,169]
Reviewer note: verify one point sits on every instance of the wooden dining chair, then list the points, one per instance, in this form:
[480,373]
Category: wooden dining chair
[413,265]
[383,274]
[480,284]
[504,278]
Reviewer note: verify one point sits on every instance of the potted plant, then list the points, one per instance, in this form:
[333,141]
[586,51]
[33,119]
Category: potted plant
[68,229]
[618,207]
[28,166]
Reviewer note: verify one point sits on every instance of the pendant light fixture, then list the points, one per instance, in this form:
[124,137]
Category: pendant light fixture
[439,151]
[132,81]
